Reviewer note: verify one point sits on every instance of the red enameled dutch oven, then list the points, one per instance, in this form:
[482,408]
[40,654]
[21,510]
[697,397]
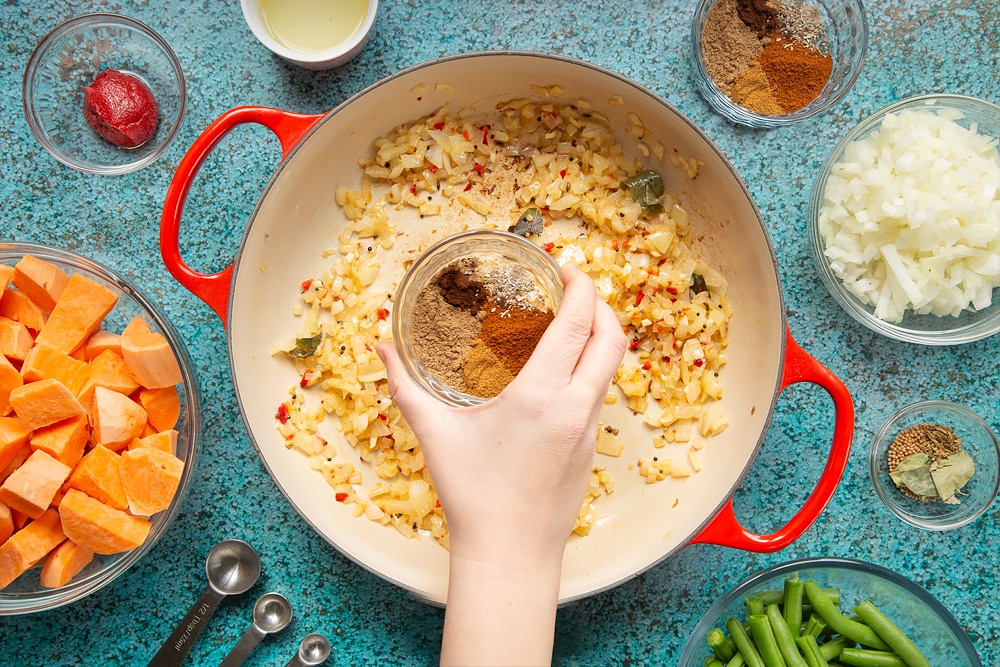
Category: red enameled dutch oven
[296,218]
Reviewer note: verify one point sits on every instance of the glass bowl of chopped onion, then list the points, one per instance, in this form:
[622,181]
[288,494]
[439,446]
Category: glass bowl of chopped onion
[905,220]
[743,55]
[935,465]
[69,60]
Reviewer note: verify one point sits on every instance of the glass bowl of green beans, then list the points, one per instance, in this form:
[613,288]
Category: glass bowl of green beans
[848,611]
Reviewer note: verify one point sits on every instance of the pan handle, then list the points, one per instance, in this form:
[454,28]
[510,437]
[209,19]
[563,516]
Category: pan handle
[213,288]
[725,529]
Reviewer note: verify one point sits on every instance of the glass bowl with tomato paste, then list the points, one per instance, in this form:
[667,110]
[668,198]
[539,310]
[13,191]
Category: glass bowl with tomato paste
[69,59]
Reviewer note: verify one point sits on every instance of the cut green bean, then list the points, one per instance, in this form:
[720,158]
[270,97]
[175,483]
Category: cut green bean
[763,637]
[816,626]
[831,649]
[778,596]
[807,644]
[792,605]
[720,644]
[784,638]
[891,634]
[754,605]
[737,661]
[743,644]
[712,661]
[828,612]
[861,657]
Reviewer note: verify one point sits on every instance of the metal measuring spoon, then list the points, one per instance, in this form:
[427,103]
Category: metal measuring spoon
[313,650]
[271,613]
[233,567]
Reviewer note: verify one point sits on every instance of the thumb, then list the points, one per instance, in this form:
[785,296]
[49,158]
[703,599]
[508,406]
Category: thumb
[411,399]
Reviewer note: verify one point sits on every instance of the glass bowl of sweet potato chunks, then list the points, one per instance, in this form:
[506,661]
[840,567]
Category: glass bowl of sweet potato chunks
[98,426]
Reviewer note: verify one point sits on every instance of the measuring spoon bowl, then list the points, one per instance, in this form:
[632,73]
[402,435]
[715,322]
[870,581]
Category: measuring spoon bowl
[314,649]
[271,613]
[232,567]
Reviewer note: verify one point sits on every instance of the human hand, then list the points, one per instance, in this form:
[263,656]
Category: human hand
[511,473]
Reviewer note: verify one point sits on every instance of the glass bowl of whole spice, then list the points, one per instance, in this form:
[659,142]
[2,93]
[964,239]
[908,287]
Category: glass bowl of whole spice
[935,465]
[470,311]
[769,63]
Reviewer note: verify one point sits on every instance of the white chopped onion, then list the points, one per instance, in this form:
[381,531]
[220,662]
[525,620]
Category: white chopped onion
[910,217]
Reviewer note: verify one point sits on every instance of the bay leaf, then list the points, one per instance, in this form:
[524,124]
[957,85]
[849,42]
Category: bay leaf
[914,474]
[952,473]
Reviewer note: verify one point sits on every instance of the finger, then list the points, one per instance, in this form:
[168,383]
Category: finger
[405,393]
[559,349]
[603,352]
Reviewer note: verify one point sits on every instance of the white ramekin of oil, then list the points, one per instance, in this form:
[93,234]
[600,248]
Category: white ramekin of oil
[315,34]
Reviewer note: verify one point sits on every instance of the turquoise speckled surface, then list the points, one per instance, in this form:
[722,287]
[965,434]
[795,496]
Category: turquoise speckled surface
[916,47]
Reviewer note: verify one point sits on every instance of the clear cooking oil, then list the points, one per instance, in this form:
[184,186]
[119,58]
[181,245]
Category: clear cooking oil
[313,25]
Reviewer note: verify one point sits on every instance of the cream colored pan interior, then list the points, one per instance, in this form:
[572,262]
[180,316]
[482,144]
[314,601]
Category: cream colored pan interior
[296,219]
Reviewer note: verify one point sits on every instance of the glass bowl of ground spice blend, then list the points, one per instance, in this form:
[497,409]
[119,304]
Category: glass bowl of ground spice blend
[470,311]
[935,465]
[769,63]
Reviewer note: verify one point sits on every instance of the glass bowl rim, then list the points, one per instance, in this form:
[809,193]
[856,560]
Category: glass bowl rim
[45,599]
[882,435]
[695,641]
[34,63]
[732,111]
[968,333]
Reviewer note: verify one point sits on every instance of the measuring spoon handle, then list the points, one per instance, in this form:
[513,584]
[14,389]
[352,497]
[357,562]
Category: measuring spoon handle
[244,647]
[179,643]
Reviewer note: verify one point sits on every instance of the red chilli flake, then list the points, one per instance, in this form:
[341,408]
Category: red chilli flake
[639,297]
[699,362]
[282,414]
[478,168]
[468,186]
[562,173]
[439,126]
[382,313]
[634,344]
[646,366]
[305,380]
[486,134]
[341,497]
[547,247]
[306,284]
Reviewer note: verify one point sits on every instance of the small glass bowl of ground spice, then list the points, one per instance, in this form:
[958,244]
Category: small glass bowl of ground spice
[470,311]
[935,465]
[769,63]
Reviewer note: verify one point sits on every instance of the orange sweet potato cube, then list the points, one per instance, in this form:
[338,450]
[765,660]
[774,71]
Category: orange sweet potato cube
[6,277]
[10,378]
[99,475]
[15,339]
[29,545]
[63,563]
[165,441]
[45,361]
[101,341]
[149,356]
[42,281]
[6,523]
[19,307]
[108,370]
[44,402]
[98,527]
[13,438]
[77,314]
[162,405]
[116,419]
[150,478]
[31,488]
[63,440]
